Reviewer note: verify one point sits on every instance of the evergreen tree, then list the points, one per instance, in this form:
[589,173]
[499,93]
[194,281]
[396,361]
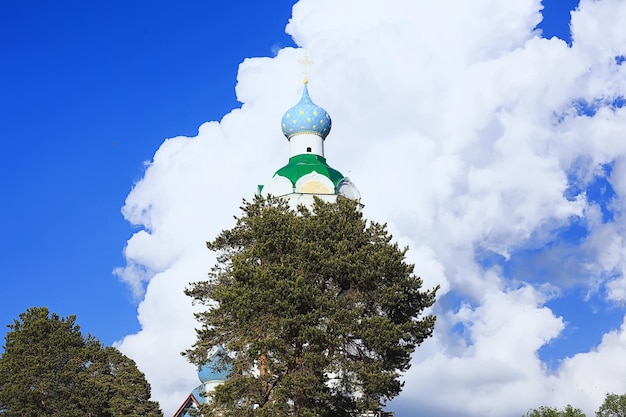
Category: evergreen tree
[129,392]
[49,369]
[613,406]
[543,411]
[317,311]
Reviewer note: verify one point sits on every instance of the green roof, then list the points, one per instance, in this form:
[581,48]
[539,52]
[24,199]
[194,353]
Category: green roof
[303,164]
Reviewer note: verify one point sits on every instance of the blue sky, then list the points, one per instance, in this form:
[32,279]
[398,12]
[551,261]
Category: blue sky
[90,91]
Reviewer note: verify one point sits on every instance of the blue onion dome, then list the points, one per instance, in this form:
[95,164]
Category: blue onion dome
[200,393]
[216,368]
[306,117]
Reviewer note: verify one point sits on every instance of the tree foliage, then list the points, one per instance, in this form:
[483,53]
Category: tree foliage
[568,411]
[49,369]
[317,309]
[613,406]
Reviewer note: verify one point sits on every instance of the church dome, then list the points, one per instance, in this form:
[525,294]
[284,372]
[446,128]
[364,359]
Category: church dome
[216,368]
[306,117]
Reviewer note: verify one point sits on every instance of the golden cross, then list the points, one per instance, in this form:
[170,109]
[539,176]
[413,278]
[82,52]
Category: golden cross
[306,61]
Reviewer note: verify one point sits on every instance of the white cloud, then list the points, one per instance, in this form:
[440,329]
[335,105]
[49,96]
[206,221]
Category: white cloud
[496,371]
[456,122]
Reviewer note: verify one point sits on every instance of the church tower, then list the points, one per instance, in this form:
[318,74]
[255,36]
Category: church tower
[307,174]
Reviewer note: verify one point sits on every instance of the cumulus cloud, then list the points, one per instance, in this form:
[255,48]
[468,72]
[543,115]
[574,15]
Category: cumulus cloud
[473,137]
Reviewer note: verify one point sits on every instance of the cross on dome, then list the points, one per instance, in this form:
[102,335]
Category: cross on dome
[306,61]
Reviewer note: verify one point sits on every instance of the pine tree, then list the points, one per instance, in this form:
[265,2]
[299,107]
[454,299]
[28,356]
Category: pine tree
[613,406]
[543,411]
[49,369]
[317,309]
[129,392]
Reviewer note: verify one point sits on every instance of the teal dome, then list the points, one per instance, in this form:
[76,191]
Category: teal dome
[216,369]
[306,117]
[199,393]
